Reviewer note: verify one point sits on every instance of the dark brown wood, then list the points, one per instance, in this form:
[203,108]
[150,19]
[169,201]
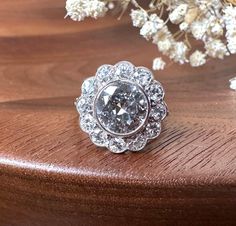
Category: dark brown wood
[51,174]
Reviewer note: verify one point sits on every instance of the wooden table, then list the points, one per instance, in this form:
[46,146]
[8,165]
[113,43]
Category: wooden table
[51,174]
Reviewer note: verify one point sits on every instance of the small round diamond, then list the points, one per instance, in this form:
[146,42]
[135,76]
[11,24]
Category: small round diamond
[155,92]
[89,86]
[159,112]
[124,69]
[84,105]
[153,130]
[87,123]
[99,137]
[104,73]
[121,108]
[117,145]
[137,143]
[143,76]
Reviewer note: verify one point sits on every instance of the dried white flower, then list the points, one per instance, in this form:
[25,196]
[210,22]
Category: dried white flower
[95,8]
[197,59]
[157,20]
[216,29]
[230,24]
[151,27]
[162,34]
[178,14]
[111,5]
[229,12]
[233,83]
[216,48]
[76,9]
[158,64]
[179,52]
[79,9]
[184,26]
[199,29]
[148,30]
[139,17]
[232,44]
[164,46]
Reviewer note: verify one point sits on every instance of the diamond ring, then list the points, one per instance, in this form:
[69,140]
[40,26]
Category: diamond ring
[121,107]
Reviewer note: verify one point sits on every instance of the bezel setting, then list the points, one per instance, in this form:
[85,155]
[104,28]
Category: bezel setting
[121,107]
[145,99]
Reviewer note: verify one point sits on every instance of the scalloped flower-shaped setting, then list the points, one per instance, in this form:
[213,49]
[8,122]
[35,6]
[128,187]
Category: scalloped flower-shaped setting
[121,107]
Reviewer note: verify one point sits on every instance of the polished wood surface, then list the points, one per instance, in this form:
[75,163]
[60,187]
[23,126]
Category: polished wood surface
[50,172]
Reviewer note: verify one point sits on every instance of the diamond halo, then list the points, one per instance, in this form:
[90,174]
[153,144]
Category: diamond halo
[121,107]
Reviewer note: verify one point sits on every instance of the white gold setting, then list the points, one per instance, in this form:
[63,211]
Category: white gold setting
[121,107]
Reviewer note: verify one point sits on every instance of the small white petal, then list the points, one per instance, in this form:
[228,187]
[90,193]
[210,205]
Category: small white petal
[233,83]
[197,59]
[158,64]
[139,17]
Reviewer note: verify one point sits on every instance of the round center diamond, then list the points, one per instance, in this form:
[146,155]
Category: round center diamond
[121,108]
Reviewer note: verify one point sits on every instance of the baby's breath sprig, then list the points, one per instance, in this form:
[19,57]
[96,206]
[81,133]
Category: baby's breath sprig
[212,22]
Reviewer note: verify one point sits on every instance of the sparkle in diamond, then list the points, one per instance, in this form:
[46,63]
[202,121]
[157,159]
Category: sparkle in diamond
[122,108]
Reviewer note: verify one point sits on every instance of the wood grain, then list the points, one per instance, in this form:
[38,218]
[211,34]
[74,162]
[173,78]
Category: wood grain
[50,172]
